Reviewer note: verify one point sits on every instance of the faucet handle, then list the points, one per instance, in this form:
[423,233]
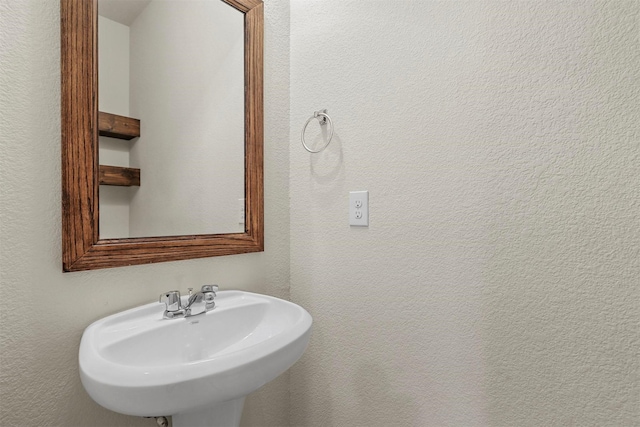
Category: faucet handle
[171,300]
[209,294]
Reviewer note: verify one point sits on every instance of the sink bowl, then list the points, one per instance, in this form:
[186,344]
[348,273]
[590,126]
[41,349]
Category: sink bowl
[197,369]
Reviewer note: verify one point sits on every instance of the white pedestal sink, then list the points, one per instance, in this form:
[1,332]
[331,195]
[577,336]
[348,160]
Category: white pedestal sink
[197,369]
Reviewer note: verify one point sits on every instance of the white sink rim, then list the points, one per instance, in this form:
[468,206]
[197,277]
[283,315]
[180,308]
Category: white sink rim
[102,376]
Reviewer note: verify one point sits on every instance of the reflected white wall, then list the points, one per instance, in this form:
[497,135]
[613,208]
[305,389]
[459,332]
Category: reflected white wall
[187,88]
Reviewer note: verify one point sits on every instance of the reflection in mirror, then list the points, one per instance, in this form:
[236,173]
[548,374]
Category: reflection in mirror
[178,67]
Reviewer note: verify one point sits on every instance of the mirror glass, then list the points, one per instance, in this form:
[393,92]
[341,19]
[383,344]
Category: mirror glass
[178,67]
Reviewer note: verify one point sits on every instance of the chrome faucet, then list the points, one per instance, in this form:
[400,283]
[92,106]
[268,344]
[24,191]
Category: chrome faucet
[204,298]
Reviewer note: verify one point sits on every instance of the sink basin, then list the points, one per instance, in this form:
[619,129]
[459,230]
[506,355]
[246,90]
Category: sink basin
[197,369]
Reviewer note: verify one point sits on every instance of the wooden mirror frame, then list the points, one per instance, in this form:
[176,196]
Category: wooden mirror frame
[82,248]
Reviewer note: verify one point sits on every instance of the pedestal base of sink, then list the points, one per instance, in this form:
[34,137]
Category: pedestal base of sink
[223,414]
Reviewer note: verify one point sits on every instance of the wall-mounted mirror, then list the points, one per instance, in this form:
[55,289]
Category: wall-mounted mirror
[161,130]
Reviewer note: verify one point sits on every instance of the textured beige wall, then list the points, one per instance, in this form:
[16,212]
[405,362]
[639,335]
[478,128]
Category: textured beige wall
[499,281]
[45,311]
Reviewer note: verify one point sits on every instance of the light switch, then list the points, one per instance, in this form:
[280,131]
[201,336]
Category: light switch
[241,211]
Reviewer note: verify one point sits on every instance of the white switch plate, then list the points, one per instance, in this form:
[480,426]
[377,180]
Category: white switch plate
[241,211]
[359,208]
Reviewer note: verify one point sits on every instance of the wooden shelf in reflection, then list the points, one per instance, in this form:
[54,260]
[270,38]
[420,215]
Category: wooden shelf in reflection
[120,127]
[115,175]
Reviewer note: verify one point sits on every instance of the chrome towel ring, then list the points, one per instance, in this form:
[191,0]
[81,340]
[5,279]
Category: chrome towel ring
[323,118]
